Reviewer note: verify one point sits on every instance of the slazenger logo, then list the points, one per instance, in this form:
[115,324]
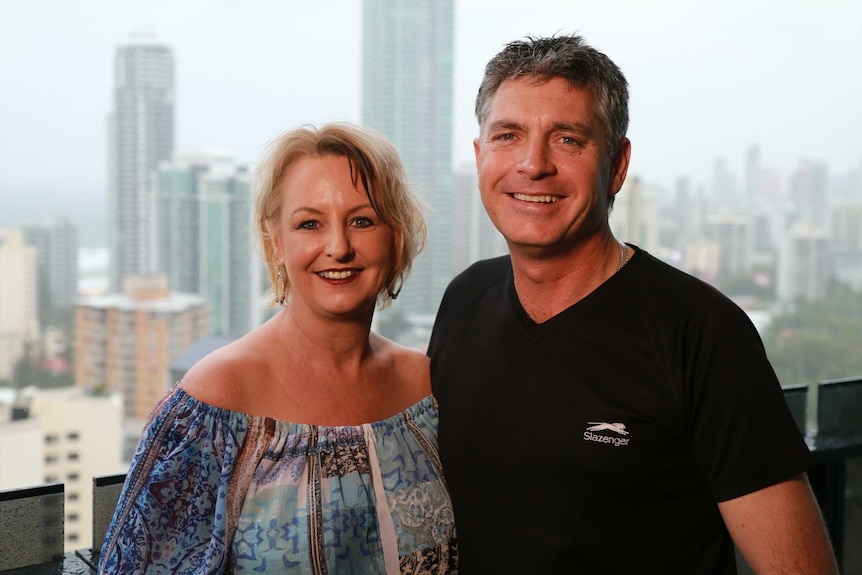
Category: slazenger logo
[618,428]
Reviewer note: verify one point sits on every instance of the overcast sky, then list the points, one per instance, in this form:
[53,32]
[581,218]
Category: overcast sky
[707,78]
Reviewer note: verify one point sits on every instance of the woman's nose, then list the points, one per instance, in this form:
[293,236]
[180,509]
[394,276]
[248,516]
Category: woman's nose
[338,244]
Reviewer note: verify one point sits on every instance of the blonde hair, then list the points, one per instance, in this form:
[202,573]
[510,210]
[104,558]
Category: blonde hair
[374,162]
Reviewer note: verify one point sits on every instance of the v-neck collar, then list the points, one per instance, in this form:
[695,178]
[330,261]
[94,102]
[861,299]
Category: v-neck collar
[560,321]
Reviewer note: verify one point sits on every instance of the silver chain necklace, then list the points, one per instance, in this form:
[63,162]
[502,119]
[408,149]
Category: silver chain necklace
[624,256]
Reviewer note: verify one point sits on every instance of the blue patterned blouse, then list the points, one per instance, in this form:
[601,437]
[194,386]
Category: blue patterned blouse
[215,491]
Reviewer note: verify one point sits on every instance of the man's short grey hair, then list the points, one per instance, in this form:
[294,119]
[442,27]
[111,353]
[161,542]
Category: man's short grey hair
[568,57]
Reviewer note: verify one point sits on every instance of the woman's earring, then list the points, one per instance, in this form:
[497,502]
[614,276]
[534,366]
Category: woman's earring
[283,280]
[394,293]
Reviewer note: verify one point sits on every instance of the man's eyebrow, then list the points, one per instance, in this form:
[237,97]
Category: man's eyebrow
[503,125]
[575,127]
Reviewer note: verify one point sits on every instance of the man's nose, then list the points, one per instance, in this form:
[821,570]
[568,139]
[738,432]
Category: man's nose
[536,160]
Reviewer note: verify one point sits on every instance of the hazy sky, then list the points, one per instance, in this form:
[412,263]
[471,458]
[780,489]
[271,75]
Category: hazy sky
[707,78]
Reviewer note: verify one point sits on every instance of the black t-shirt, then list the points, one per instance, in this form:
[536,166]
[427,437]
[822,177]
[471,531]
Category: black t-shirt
[600,440]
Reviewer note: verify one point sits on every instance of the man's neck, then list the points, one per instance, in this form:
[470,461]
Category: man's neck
[547,284]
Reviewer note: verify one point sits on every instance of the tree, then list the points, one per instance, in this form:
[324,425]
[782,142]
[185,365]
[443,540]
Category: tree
[818,340]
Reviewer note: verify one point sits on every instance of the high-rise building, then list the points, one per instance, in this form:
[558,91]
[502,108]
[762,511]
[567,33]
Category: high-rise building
[700,257]
[752,173]
[205,239]
[407,74]
[725,191]
[474,236]
[56,243]
[804,264]
[808,195]
[846,244]
[734,233]
[634,217]
[140,135]
[19,286]
[127,341]
[846,188]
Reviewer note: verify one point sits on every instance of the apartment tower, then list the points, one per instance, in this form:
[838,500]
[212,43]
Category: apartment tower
[19,286]
[56,243]
[126,342]
[205,239]
[407,71]
[140,135]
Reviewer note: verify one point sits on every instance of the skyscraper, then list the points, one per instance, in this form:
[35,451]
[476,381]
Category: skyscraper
[846,243]
[474,236]
[808,193]
[734,232]
[140,135]
[804,265]
[56,243]
[635,217]
[19,286]
[205,238]
[407,73]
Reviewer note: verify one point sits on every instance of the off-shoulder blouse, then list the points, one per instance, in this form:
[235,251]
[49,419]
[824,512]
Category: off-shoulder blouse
[212,490]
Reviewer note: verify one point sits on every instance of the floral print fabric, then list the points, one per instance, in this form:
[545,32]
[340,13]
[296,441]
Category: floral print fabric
[215,491]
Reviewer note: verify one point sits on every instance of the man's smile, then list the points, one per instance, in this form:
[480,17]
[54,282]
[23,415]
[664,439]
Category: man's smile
[547,199]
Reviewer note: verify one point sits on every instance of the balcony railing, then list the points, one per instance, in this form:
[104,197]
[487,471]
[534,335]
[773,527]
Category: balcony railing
[31,529]
[829,413]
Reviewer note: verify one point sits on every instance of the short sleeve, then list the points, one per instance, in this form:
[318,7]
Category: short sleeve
[742,433]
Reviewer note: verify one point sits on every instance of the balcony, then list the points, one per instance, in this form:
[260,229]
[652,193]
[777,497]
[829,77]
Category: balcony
[829,413]
[31,528]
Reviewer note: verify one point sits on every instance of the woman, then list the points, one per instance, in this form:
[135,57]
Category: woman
[309,445]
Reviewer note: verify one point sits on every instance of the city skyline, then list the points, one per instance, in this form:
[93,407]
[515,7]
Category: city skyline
[718,121]
[705,83]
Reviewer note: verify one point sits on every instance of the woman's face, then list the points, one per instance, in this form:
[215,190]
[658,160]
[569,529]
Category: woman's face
[337,251]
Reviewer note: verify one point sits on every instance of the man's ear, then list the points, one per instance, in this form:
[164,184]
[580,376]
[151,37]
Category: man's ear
[620,166]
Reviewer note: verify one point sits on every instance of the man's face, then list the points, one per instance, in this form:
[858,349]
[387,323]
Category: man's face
[544,172]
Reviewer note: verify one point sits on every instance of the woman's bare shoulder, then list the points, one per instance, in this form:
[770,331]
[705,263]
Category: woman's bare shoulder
[410,366]
[224,377]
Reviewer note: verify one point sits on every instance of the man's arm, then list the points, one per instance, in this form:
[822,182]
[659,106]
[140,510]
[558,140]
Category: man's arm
[779,530]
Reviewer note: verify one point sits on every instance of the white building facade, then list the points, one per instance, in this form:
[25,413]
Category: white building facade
[82,435]
[19,288]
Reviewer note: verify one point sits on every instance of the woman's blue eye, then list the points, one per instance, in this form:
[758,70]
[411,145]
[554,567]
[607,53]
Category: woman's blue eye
[309,225]
[363,222]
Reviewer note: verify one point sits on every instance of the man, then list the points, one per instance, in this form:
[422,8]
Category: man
[600,411]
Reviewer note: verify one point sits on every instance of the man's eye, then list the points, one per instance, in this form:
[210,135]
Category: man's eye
[569,141]
[309,225]
[506,137]
[363,222]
